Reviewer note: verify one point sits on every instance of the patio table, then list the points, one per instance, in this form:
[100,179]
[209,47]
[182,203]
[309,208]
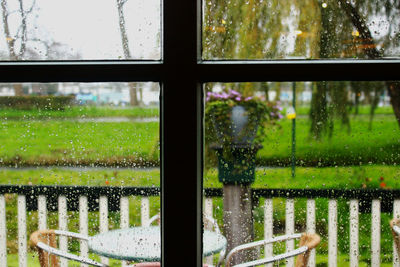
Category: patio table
[144,243]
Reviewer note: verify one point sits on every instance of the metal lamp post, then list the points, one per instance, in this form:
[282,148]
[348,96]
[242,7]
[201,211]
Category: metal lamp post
[291,114]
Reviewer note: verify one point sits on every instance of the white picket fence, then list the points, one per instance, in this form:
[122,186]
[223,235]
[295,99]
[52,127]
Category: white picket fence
[208,210]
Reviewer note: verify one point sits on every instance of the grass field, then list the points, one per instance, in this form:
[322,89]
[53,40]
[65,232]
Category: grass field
[306,177]
[80,112]
[74,143]
[379,145]
[71,143]
[133,112]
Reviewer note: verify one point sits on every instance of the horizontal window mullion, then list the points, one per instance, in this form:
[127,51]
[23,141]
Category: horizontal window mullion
[208,71]
[81,71]
[298,70]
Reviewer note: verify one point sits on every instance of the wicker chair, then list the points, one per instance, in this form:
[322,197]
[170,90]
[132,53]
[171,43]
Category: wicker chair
[307,243]
[46,244]
[395,226]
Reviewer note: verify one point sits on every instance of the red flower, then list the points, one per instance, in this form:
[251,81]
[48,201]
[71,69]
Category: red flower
[107,182]
[381,178]
[382,185]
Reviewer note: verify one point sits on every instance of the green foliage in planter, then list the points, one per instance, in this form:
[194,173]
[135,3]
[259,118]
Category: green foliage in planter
[36,102]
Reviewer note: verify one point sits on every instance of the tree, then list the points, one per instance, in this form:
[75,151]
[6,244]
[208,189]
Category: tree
[17,41]
[22,43]
[245,29]
[345,36]
[362,45]
[390,9]
[125,45]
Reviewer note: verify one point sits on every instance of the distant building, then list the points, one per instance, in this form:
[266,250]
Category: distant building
[6,90]
[86,98]
[110,93]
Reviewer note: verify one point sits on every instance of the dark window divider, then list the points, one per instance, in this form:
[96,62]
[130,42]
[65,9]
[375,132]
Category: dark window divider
[203,71]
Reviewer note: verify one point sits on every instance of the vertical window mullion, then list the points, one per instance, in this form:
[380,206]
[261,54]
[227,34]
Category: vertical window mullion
[181,135]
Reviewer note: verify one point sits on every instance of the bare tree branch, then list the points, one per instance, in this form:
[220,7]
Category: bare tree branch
[125,45]
[9,39]
[124,36]
[30,10]
[24,29]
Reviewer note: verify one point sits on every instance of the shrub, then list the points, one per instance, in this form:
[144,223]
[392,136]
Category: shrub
[36,102]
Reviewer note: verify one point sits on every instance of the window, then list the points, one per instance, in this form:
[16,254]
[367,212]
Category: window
[181,72]
[60,30]
[342,135]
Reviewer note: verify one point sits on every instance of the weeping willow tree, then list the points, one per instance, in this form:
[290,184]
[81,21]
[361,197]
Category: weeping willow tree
[245,29]
[326,34]
[350,36]
[382,44]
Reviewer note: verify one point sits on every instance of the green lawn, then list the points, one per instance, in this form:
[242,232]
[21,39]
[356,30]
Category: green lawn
[102,177]
[80,112]
[132,112]
[66,143]
[379,145]
[72,143]
[306,177]
[362,110]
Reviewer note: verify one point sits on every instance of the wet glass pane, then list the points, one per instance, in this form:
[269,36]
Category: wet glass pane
[76,30]
[275,29]
[80,157]
[304,157]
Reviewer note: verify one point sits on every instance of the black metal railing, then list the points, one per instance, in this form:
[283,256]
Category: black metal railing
[72,193]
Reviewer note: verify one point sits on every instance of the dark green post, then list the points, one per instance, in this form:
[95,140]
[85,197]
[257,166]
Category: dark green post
[294,132]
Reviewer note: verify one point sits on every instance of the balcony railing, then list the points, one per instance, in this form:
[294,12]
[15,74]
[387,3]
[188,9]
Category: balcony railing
[83,199]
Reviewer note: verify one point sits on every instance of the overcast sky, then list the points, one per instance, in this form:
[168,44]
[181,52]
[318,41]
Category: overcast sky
[91,27]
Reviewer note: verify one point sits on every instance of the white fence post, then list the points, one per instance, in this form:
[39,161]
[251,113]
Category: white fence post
[208,211]
[208,207]
[124,206]
[353,233]
[22,242]
[63,225]
[3,232]
[103,210]
[83,226]
[268,227]
[311,227]
[42,212]
[289,229]
[124,209]
[332,233]
[144,210]
[376,233]
[396,214]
